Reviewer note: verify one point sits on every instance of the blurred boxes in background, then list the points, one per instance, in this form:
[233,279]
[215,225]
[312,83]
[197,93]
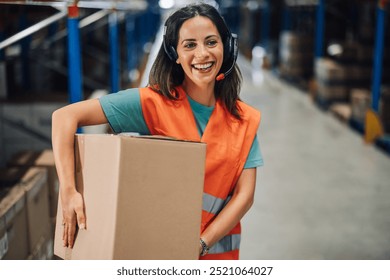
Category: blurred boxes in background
[43,159]
[24,213]
[14,243]
[331,80]
[360,103]
[34,183]
[296,52]
[249,35]
[44,249]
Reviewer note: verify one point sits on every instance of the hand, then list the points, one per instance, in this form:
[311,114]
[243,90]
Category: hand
[73,215]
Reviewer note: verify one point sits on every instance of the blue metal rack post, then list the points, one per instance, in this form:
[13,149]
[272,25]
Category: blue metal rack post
[131,44]
[378,54]
[144,28]
[74,55]
[265,23]
[114,52]
[286,18]
[155,17]
[230,10]
[320,28]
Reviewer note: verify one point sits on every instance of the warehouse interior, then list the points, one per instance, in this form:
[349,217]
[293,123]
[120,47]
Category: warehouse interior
[318,70]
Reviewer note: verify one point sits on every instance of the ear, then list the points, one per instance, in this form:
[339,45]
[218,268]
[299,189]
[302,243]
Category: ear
[178,61]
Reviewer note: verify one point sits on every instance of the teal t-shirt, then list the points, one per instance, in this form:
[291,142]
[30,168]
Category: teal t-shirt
[124,114]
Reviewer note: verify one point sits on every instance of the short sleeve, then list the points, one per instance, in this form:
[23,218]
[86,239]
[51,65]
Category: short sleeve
[124,112]
[255,158]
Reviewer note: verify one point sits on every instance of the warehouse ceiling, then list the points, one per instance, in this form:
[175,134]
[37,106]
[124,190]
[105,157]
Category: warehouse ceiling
[118,5]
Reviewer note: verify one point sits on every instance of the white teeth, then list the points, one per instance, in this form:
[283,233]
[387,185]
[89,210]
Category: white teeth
[203,66]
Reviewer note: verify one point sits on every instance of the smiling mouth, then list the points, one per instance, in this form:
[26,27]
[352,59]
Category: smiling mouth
[203,66]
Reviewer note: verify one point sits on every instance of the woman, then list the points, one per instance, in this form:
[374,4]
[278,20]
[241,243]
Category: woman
[193,95]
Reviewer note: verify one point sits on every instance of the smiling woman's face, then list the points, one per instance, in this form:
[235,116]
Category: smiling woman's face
[200,50]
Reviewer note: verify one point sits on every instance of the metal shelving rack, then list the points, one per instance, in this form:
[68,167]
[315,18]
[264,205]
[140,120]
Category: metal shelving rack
[64,22]
[70,11]
[378,58]
[378,48]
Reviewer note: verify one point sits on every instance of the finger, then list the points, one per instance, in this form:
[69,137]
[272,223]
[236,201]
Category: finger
[63,227]
[71,234]
[65,235]
[63,231]
[81,221]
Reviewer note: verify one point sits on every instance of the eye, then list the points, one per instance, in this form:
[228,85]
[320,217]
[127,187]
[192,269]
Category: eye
[212,43]
[190,45]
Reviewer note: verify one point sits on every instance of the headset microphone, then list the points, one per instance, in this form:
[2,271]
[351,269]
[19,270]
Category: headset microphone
[222,76]
[234,40]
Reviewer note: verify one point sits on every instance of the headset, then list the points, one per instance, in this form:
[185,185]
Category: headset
[230,52]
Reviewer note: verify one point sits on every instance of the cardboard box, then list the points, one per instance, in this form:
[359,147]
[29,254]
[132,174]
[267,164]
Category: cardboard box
[34,183]
[332,92]
[143,198]
[329,70]
[44,159]
[44,250]
[13,224]
[360,103]
[10,176]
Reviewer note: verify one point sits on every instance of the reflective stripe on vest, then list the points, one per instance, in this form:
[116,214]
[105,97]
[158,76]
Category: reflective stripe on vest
[213,204]
[226,244]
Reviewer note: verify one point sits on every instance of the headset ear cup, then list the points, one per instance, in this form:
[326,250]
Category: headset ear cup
[172,53]
[228,50]
[231,49]
[234,45]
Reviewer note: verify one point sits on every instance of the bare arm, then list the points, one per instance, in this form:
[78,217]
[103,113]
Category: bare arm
[65,122]
[240,203]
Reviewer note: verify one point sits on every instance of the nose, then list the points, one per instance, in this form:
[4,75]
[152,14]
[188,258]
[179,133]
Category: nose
[201,51]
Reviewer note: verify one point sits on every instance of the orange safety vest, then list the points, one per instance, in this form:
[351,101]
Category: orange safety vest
[228,144]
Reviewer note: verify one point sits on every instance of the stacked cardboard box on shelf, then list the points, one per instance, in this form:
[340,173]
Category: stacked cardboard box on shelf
[24,213]
[360,103]
[348,67]
[249,33]
[331,80]
[43,159]
[13,224]
[34,183]
[295,54]
[25,160]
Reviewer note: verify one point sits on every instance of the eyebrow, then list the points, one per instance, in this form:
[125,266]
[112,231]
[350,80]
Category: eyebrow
[193,40]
